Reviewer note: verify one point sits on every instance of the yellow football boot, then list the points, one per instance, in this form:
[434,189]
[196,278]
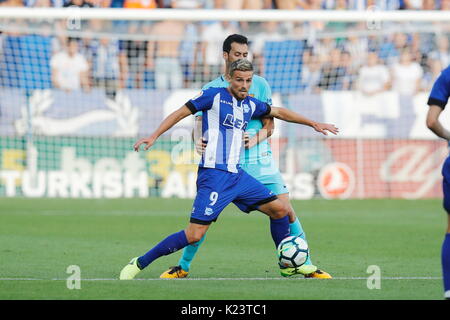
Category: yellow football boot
[319,274]
[173,273]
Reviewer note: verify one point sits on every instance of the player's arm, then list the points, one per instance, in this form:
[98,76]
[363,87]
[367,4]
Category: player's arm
[197,135]
[437,101]
[434,124]
[268,122]
[165,125]
[291,116]
[265,132]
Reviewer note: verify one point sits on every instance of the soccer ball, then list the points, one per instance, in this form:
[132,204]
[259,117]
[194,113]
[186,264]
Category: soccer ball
[292,252]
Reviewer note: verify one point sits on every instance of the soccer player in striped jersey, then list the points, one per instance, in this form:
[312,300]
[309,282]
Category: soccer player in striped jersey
[220,180]
[256,160]
[437,101]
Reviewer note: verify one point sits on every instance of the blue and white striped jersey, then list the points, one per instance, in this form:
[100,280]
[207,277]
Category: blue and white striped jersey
[260,90]
[224,121]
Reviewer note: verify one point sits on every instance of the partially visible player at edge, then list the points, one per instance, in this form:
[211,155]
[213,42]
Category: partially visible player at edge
[220,180]
[256,160]
[437,101]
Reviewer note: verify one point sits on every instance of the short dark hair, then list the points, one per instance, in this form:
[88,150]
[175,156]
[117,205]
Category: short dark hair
[234,38]
[72,39]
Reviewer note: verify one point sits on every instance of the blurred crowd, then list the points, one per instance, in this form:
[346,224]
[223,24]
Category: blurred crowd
[293,57]
[241,4]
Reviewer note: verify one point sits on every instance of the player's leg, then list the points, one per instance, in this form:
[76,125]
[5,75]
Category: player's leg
[295,226]
[210,188]
[308,269]
[446,261]
[169,245]
[266,171]
[279,220]
[445,251]
[253,195]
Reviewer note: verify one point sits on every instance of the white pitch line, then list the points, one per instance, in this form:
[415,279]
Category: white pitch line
[224,279]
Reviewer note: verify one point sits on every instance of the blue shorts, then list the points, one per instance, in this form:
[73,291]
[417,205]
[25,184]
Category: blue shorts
[217,188]
[446,184]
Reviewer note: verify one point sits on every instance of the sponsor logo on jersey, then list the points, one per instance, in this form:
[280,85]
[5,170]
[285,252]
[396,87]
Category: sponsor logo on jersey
[232,122]
[226,102]
[336,181]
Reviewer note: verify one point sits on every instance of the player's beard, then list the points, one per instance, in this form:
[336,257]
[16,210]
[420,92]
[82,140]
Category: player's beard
[239,94]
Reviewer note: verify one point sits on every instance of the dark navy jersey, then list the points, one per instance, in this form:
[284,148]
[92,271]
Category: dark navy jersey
[441,90]
[224,121]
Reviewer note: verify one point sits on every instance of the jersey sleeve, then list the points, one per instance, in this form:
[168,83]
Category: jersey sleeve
[203,101]
[266,95]
[262,109]
[441,90]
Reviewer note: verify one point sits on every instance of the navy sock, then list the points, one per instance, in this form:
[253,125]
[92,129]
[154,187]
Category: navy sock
[169,245]
[279,228]
[446,261]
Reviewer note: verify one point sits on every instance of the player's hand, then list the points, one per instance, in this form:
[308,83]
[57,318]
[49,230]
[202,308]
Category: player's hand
[200,146]
[324,127]
[246,139]
[249,142]
[149,141]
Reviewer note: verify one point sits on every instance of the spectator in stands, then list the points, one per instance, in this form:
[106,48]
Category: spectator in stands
[187,4]
[340,5]
[333,73]
[420,4]
[101,3]
[139,4]
[12,3]
[190,56]
[164,54]
[323,48]
[373,77]
[358,48]
[105,65]
[412,4]
[406,75]
[388,4]
[445,5]
[310,76]
[270,32]
[78,3]
[418,44]
[351,72]
[441,52]
[247,4]
[117,3]
[298,4]
[434,70]
[390,50]
[38,3]
[132,61]
[429,5]
[212,38]
[70,68]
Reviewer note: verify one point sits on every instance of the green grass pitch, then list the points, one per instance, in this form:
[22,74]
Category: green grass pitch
[40,238]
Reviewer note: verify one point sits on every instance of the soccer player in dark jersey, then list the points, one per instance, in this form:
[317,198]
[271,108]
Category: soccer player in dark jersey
[437,101]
